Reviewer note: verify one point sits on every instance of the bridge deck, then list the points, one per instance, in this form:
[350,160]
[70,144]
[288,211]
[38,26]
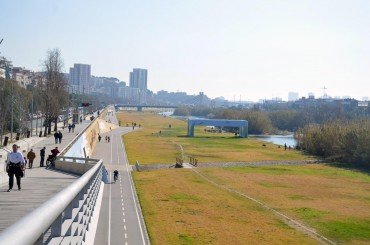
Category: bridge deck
[38,185]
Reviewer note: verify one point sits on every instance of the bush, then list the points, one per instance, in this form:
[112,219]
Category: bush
[338,140]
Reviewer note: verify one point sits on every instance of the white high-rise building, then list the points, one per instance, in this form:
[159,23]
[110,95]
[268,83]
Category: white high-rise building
[293,96]
[79,77]
[139,79]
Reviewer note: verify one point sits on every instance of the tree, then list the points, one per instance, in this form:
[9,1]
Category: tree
[52,89]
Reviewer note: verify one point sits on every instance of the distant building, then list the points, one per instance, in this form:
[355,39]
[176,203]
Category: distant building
[22,76]
[139,79]
[293,96]
[311,95]
[365,98]
[80,77]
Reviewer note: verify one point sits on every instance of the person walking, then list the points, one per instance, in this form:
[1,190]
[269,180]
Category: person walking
[73,127]
[31,156]
[42,156]
[69,128]
[285,146]
[15,167]
[108,139]
[60,137]
[99,138]
[56,135]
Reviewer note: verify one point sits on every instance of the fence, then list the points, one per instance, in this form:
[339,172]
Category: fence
[65,218]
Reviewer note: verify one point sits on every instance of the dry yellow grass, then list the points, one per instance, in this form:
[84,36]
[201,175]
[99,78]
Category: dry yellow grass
[334,201]
[181,208]
[148,146]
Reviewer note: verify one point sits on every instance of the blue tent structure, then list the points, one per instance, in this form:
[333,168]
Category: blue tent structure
[241,124]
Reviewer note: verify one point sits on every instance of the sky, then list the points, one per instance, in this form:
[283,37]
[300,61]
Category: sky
[236,49]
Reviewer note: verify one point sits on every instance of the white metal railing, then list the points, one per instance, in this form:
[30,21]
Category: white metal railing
[76,159]
[65,218]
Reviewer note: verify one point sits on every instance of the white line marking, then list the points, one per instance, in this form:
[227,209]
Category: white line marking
[124,227]
[110,208]
[126,243]
[126,235]
[124,220]
[123,213]
[123,209]
[133,194]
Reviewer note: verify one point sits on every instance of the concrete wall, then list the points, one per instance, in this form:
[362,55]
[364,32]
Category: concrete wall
[73,167]
[89,138]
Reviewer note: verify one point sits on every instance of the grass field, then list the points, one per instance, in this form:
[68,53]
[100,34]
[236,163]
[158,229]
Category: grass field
[180,207]
[336,202]
[148,146]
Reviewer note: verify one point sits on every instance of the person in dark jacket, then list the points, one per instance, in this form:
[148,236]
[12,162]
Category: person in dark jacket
[42,156]
[31,156]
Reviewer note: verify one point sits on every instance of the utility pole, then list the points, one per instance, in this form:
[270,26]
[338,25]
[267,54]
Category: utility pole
[32,112]
[12,111]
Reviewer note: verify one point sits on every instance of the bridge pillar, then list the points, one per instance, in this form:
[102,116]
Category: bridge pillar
[190,130]
[139,108]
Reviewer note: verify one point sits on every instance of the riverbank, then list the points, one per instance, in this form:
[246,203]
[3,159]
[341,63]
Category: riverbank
[157,142]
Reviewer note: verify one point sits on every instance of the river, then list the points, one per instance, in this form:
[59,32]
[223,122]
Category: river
[277,139]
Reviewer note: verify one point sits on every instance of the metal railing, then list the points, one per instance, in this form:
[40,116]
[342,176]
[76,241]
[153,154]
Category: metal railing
[65,218]
[76,159]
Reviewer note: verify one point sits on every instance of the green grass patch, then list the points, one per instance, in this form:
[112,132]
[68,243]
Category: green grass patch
[184,239]
[309,213]
[299,197]
[273,185]
[346,230]
[183,197]
[318,170]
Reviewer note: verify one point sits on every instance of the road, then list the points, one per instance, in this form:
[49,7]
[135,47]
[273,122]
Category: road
[120,220]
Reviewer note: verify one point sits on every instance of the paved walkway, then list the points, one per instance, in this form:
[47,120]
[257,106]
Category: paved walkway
[38,185]
[120,220]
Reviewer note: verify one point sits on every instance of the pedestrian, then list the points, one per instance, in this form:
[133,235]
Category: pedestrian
[42,156]
[60,137]
[15,167]
[73,127]
[285,146]
[99,138]
[31,156]
[69,128]
[108,139]
[56,135]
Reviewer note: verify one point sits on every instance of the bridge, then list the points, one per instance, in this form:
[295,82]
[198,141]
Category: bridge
[71,202]
[140,107]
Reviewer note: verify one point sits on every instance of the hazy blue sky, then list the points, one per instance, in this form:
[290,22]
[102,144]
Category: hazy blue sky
[256,49]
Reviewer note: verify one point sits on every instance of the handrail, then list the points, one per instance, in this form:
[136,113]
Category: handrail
[55,211]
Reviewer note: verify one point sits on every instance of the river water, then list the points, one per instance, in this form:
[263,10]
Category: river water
[277,139]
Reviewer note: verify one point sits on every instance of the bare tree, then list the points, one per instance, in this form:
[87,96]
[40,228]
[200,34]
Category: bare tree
[52,89]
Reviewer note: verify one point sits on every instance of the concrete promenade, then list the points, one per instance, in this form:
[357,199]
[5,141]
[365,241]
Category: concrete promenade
[120,220]
[38,185]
